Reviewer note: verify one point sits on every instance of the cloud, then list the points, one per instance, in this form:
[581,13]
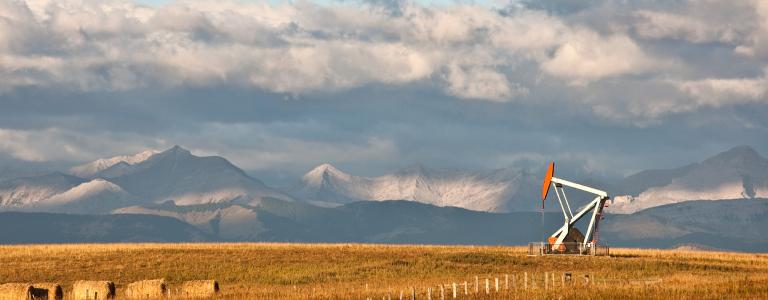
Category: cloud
[297,48]
[269,146]
[292,154]
[283,145]
[482,83]
[56,144]
[587,57]
[376,86]
[717,92]
[741,24]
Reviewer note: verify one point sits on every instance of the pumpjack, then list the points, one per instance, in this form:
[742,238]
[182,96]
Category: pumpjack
[568,239]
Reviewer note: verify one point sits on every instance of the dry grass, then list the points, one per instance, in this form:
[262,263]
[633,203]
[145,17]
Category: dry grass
[351,271]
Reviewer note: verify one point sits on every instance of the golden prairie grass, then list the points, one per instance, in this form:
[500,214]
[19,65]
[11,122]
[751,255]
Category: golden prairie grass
[354,271]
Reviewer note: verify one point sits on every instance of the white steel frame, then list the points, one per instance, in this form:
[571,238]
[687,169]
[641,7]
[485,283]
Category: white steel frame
[595,206]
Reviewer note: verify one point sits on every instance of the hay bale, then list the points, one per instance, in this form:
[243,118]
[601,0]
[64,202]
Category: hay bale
[199,288]
[15,291]
[83,289]
[155,288]
[53,290]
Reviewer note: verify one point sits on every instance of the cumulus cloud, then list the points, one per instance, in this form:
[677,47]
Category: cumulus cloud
[588,56]
[521,53]
[716,92]
[371,84]
[742,24]
[297,48]
[482,83]
[649,102]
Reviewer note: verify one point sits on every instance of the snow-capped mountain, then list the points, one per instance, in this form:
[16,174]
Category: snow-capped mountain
[25,191]
[179,176]
[90,170]
[327,186]
[95,196]
[144,178]
[739,173]
[498,190]
[62,193]
[186,179]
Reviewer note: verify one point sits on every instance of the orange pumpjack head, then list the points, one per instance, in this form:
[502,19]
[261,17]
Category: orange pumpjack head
[547,183]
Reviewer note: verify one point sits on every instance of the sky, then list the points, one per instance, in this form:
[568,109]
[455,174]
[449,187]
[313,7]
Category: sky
[604,88]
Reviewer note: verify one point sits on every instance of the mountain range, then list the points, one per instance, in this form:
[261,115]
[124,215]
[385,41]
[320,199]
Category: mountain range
[149,177]
[179,176]
[721,224]
[49,228]
[739,173]
[219,201]
[500,190]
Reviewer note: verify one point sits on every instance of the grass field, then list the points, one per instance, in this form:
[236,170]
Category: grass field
[350,271]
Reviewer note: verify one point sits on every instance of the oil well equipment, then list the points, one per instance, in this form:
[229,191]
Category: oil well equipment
[568,239]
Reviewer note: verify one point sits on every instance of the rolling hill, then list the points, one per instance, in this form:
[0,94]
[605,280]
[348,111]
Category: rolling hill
[50,228]
[725,224]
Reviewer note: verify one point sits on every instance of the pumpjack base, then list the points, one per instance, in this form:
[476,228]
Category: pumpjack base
[589,249]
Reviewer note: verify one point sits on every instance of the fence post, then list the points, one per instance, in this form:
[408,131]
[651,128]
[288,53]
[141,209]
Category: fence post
[553,279]
[477,283]
[429,293]
[413,293]
[454,290]
[506,281]
[442,292]
[401,294]
[514,281]
[497,284]
[487,286]
[526,280]
[465,288]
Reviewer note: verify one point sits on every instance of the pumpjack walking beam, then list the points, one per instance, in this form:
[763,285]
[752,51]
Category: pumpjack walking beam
[595,206]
